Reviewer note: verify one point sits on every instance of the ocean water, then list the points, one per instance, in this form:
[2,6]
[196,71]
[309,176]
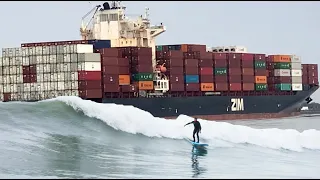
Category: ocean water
[72,138]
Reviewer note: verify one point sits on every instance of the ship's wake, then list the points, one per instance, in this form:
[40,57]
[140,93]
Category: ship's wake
[135,121]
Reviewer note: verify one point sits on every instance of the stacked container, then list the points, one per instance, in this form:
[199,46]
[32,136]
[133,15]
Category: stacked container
[234,71]
[280,78]
[260,72]
[309,75]
[206,71]
[248,78]
[296,73]
[220,71]
[191,73]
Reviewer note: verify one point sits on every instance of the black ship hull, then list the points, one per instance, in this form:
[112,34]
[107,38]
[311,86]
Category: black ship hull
[221,107]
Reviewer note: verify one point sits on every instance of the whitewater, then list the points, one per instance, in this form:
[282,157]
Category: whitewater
[68,137]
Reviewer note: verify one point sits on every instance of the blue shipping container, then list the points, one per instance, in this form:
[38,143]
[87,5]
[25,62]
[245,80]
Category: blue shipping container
[100,44]
[191,78]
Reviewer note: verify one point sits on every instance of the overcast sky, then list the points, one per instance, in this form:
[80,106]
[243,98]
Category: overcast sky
[263,27]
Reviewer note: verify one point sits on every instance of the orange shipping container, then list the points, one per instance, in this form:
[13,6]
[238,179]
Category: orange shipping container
[281,58]
[261,79]
[207,86]
[184,47]
[124,79]
[145,85]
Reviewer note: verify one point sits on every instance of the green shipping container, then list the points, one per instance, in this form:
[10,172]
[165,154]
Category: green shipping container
[261,87]
[143,77]
[284,87]
[260,65]
[282,65]
[220,71]
[158,48]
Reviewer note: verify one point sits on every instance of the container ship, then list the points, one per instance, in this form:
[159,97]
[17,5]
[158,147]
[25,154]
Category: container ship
[118,61]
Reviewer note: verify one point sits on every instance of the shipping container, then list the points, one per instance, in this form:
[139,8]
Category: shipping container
[282,72]
[115,70]
[89,57]
[220,63]
[191,47]
[124,79]
[279,80]
[221,86]
[87,85]
[235,72]
[141,69]
[247,64]
[141,60]
[260,65]
[234,63]
[177,87]
[295,59]
[207,79]
[114,61]
[283,87]
[175,70]
[145,85]
[261,87]
[100,44]
[188,55]
[205,55]
[235,87]
[111,88]
[313,67]
[305,80]
[313,80]
[191,79]
[220,71]
[141,51]
[279,58]
[89,75]
[247,57]
[143,77]
[313,73]
[207,87]
[234,56]
[110,79]
[176,79]
[248,86]
[248,71]
[261,79]
[92,93]
[297,87]
[219,56]
[234,79]
[191,70]
[111,52]
[206,63]
[296,72]
[191,62]
[206,71]
[296,65]
[171,62]
[259,57]
[192,87]
[172,54]
[282,65]
[221,79]
[85,66]
[248,79]
[128,88]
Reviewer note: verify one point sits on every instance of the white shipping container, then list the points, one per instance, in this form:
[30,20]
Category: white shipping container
[6,88]
[25,51]
[296,72]
[295,58]
[12,79]
[26,87]
[1,81]
[38,50]
[296,79]
[45,50]
[19,70]
[52,59]
[89,66]
[32,51]
[67,76]
[296,65]
[26,96]
[19,78]
[17,52]
[53,86]
[53,77]
[60,76]
[46,77]
[74,76]
[61,85]
[33,59]
[74,67]
[26,61]
[74,85]
[5,70]
[80,48]
[12,61]
[1,96]
[13,96]
[59,67]
[20,96]
[67,92]
[39,77]
[5,61]
[66,58]
[19,88]
[296,87]
[74,58]
[13,87]
[1,59]
[18,61]
[282,72]
[46,68]
[75,93]
[66,67]
[39,59]
[53,49]
[1,70]
[38,87]
[33,87]
[89,57]
[67,85]
[4,79]
[60,58]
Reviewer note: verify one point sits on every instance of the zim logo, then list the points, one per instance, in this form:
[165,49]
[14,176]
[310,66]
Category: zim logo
[237,104]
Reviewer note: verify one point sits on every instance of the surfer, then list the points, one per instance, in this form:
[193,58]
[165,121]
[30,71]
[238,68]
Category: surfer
[197,128]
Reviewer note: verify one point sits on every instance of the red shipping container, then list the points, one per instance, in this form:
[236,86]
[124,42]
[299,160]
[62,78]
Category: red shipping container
[26,79]
[305,80]
[128,88]
[177,87]
[270,66]
[141,51]
[279,80]
[173,54]
[115,61]
[196,47]
[111,79]
[191,70]
[191,62]
[89,75]
[219,56]
[248,87]
[86,85]
[141,60]
[172,62]
[111,52]
[305,67]
[33,78]
[248,79]
[234,79]
[142,69]
[221,86]
[25,70]
[247,57]
[206,71]
[175,70]
[206,79]
[159,55]
[190,87]
[260,72]
[111,88]
[92,93]
[6,97]
[313,80]
[234,71]
[248,71]
[124,70]
[247,64]
[176,79]
[206,63]
[234,63]
[221,79]
[259,57]
[33,69]
[220,63]
[235,87]
[234,56]
[188,55]
[205,55]
[111,69]
[312,67]
[313,73]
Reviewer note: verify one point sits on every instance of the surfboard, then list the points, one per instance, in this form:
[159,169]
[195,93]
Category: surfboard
[198,144]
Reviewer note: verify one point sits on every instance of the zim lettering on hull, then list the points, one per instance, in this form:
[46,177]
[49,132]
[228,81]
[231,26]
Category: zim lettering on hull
[237,104]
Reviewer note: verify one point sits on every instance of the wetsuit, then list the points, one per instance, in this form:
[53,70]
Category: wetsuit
[197,129]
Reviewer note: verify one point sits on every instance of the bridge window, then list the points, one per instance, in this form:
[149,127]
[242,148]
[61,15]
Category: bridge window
[113,17]
[103,17]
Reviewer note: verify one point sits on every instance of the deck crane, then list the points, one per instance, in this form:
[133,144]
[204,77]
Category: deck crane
[83,29]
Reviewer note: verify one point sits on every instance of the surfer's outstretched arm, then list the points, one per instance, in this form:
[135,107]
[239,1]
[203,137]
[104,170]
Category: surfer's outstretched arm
[189,123]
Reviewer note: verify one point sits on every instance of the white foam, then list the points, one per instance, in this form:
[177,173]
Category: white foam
[134,120]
